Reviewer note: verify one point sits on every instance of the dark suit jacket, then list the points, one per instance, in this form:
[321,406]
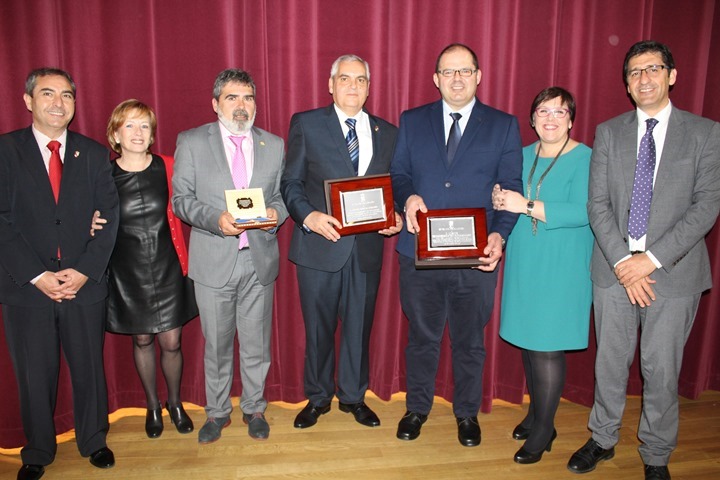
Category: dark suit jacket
[32,225]
[317,152]
[490,152]
[685,202]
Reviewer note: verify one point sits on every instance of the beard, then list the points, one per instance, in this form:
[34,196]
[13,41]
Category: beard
[241,122]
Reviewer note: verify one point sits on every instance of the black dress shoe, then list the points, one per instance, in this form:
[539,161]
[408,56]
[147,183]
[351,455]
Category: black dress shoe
[524,457]
[309,415]
[30,472]
[362,413]
[520,432]
[586,459]
[468,431]
[410,425]
[179,418]
[102,458]
[154,422]
[655,472]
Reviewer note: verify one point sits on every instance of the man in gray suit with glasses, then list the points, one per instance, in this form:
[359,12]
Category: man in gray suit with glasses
[654,195]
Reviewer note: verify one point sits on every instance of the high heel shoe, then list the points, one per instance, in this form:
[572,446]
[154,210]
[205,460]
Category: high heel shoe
[525,457]
[183,423]
[520,432]
[154,422]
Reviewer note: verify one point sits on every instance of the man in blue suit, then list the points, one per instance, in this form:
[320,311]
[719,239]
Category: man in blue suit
[449,154]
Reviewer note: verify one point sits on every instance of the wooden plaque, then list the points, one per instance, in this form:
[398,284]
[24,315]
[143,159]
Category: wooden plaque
[361,204]
[450,238]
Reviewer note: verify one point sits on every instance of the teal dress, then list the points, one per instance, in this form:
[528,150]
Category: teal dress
[547,292]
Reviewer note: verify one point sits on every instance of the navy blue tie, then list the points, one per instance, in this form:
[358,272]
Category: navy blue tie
[353,143]
[643,184]
[454,137]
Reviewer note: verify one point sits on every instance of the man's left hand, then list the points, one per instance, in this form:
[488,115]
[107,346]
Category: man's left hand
[633,269]
[272,214]
[388,232]
[493,253]
[72,282]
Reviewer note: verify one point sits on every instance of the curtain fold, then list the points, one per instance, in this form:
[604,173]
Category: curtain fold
[167,54]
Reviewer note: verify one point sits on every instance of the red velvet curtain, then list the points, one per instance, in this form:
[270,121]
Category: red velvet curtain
[167,53]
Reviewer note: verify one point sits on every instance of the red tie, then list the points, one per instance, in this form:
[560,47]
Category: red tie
[55,169]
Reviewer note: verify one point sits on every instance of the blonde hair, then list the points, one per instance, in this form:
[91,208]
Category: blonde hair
[124,111]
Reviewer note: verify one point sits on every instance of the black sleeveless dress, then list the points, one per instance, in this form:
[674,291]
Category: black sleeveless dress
[147,290]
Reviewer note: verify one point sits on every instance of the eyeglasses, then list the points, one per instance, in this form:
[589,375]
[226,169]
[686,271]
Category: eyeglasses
[555,112]
[449,72]
[651,71]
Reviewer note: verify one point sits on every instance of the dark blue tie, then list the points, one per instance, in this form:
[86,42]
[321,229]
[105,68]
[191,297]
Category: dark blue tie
[643,184]
[454,137]
[353,143]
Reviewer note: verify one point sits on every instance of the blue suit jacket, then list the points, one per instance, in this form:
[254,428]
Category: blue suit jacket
[490,152]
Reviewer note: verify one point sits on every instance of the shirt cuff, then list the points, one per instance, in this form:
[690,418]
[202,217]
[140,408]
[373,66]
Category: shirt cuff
[621,260]
[34,280]
[658,265]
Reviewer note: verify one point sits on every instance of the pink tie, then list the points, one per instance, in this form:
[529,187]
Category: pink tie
[239,176]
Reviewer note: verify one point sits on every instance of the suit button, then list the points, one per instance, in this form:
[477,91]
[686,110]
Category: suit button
[448,184]
[57,221]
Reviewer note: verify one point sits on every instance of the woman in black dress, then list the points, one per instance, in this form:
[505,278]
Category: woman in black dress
[150,294]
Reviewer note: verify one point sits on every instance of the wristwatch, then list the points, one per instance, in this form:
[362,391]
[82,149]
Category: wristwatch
[530,206]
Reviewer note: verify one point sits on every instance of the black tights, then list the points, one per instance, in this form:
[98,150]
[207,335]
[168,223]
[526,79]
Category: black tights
[545,376]
[171,362]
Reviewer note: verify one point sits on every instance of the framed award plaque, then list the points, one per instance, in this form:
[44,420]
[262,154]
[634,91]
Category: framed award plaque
[361,204]
[247,206]
[450,238]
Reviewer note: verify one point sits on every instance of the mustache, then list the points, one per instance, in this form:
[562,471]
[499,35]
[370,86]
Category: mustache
[240,114]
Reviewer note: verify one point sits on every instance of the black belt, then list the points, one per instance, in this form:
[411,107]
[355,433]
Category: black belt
[636,252]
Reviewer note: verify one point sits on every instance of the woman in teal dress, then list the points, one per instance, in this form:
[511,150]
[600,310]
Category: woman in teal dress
[547,291]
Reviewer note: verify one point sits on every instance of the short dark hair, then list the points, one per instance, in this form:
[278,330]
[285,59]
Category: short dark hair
[456,46]
[231,75]
[550,93]
[651,46]
[31,81]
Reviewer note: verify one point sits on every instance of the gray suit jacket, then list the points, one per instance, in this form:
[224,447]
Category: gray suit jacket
[199,182]
[685,202]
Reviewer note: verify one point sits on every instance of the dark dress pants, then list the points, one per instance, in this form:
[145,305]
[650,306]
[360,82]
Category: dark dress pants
[349,295]
[463,298]
[35,336]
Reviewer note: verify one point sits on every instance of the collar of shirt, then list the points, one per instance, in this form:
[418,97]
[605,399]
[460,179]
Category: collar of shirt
[42,141]
[230,147]
[362,129]
[465,112]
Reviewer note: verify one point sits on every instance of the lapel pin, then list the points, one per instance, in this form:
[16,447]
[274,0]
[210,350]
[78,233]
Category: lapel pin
[377,128]
[262,143]
[76,154]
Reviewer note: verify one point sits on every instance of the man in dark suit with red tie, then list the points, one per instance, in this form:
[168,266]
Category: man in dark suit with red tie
[52,272]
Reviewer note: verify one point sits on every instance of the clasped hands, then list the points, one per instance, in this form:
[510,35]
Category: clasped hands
[508,200]
[62,285]
[634,275]
[328,226]
[493,250]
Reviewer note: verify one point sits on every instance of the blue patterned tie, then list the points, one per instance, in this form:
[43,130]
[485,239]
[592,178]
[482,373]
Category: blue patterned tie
[643,184]
[454,137]
[353,143]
